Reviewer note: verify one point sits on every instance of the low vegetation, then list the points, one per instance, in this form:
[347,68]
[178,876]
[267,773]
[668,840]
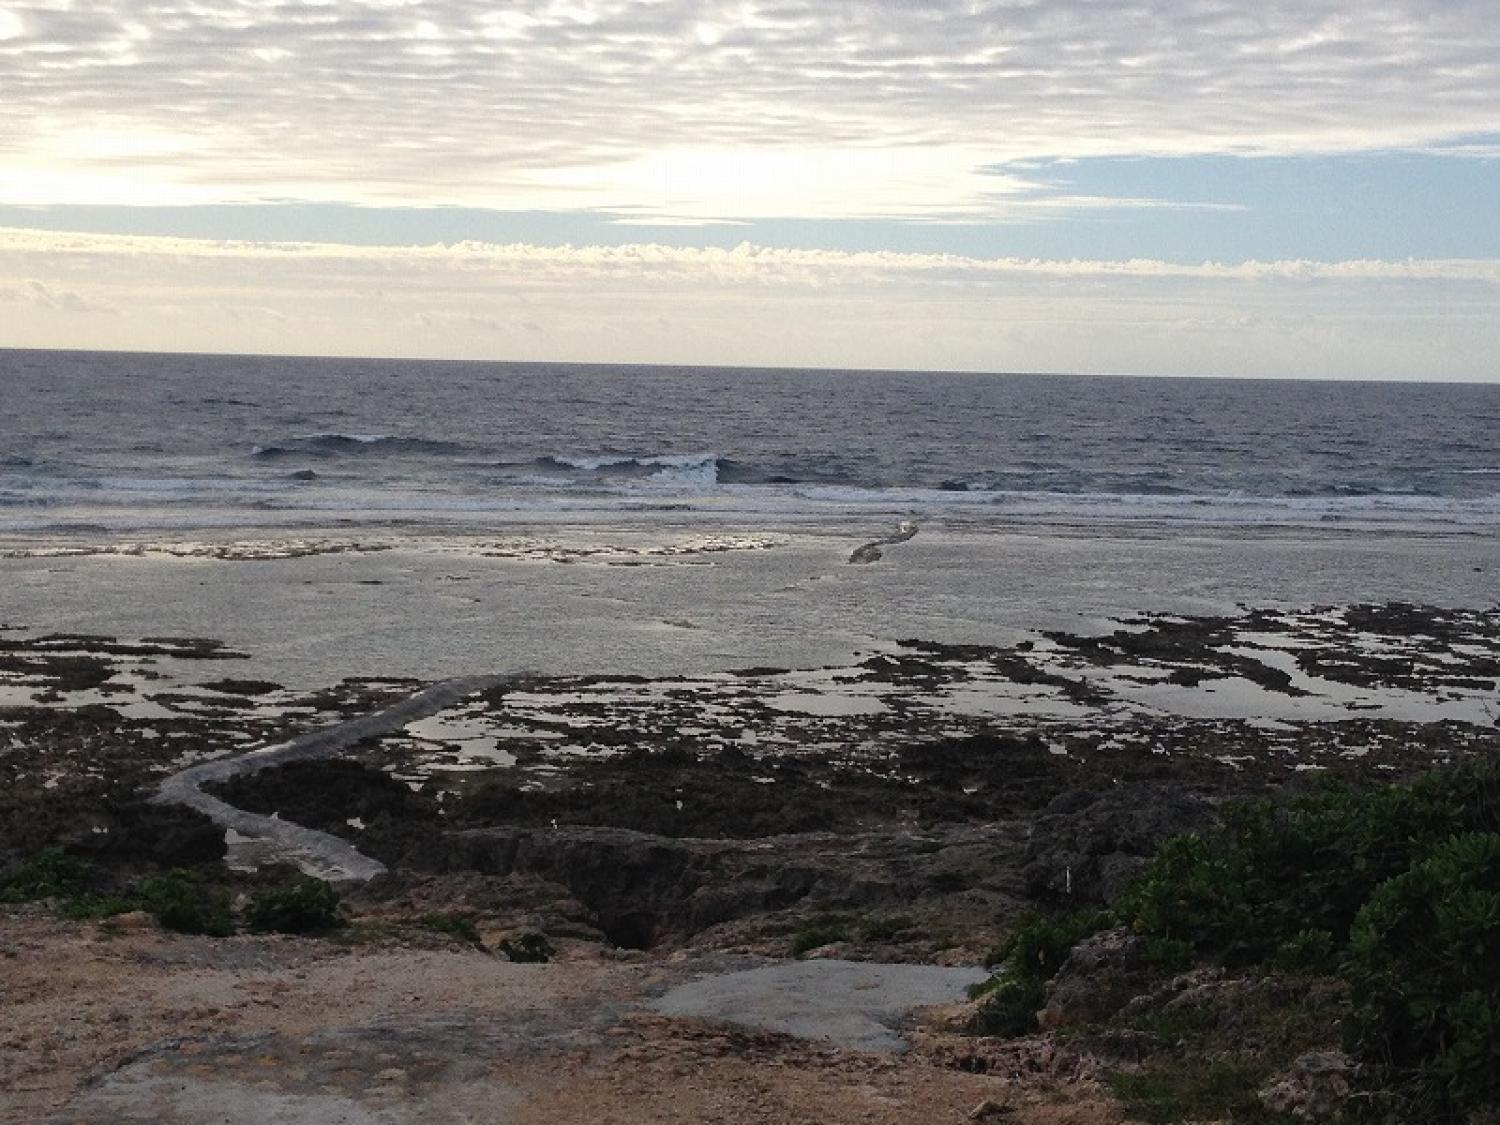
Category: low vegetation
[820,932]
[299,905]
[185,900]
[530,947]
[459,926]
[1385,902]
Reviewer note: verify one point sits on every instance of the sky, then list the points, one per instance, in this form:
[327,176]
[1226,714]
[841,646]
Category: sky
[1175,187]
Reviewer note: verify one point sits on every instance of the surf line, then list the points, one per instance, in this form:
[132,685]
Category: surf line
[871,552]
[318,854]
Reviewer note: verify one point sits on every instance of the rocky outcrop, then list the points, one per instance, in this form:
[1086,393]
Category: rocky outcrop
[1087,845]
[644,888]
[1314,1088]
[1102,974]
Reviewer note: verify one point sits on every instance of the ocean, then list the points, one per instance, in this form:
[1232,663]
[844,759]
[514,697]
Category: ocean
[334,518]
[127,444]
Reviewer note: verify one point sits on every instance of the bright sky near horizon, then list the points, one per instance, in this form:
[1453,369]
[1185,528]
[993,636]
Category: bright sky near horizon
[1306,188]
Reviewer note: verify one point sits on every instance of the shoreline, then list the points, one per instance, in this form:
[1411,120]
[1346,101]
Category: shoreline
[589,600]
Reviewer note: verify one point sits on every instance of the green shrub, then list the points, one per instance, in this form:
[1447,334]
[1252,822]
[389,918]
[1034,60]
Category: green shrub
[1424,969]
[180,901]
[1275,871]
[51,873]
[529,947]
[1172,1090]
[818,935]
[96,908]
[1306,951]
[1010,1007]
[301,905]
[460,926]
[1168,953]
[1024,963]
[885,929]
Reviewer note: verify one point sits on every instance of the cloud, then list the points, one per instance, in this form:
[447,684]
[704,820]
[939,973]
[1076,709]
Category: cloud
[724,109]
[41,295]
[754,305]
[745,264]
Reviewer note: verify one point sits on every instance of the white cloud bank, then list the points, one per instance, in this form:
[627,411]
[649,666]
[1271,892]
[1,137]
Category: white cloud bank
[698,110]
[754,306]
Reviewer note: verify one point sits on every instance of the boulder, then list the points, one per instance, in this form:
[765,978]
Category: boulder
[1102,973]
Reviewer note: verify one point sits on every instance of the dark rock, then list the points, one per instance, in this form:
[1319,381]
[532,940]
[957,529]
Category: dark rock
[1085,847]
[643,890]
[1101,975]
[159,835]
[1314,1088]
[242,687]
[326,795]
[1120,1046]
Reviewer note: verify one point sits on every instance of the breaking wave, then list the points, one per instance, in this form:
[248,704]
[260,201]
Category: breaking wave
[336,444]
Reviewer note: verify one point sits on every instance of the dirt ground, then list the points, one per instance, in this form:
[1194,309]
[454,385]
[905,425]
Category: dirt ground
[148,1026]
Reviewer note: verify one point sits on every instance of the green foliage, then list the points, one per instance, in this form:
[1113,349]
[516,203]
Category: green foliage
[1040,943]
[51,873]
[818,935]
[1169,1091]
[529,947]
[1374,886]
[1024,963]
[460,926]
[1010,1007]
[1306,951]
[1275,871]
[885,929]
[96,908]
[301,905]
[1169,953]
[1424,967]
[181,901]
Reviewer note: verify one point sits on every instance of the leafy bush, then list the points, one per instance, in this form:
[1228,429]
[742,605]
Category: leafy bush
[460,926]
[1010,1007]
[1306,951]
[1275,871]
[1221,1089]
[301,905]
[529,947]
[818,935]
[180,901]
[51,873]
[1024,963]
[885,929]
[1424,967]
[96,908]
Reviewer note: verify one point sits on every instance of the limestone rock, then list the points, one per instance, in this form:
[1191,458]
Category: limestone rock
[1314,1088]
[1101,974]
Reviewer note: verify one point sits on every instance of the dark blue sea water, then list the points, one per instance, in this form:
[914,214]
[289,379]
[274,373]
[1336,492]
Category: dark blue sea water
[129,443]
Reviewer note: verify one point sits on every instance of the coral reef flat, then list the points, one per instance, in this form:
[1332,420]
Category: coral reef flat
[640,837]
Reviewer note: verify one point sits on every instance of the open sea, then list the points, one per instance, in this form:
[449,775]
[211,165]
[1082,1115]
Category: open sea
[127,444]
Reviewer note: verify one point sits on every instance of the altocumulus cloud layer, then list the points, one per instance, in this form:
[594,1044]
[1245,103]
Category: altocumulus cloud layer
[907,117]
[705,110]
